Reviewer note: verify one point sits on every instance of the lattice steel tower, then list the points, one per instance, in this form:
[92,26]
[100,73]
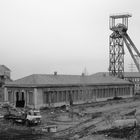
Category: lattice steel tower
[116,44]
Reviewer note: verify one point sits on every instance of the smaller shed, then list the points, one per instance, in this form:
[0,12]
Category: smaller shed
[4,76]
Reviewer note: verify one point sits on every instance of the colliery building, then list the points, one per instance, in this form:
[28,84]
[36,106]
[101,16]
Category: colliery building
[42,90]
[133,77]
[5,75]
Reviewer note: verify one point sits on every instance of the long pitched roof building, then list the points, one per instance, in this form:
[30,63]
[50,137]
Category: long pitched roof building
[40,90]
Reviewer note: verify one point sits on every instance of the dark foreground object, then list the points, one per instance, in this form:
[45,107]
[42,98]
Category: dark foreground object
[126,132]
[12,134]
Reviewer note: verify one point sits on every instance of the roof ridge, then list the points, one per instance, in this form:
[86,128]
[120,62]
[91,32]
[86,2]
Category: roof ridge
[57,75]
[24,77]
[5,67]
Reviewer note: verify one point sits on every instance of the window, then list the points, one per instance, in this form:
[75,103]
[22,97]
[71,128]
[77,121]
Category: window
[52,94]
[67,96]
[81,94]
[55,96]
[64,95]
[76,95]
[73,95]
[95,93]
[10,96]
[60,96]
[30,97]
[98,93]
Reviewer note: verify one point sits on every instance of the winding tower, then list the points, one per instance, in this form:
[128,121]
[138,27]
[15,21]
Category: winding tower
[117,39]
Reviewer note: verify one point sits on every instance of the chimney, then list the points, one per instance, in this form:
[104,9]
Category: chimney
[104,74]
[83,74]
[55,73]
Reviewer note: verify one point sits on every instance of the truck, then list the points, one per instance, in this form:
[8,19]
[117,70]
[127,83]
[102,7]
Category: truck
[26,116]
[33,117]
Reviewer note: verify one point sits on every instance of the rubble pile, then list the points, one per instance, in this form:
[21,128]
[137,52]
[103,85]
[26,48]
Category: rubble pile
[91,121]
[124,132]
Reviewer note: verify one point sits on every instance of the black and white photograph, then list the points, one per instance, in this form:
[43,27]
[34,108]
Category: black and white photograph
[69,70]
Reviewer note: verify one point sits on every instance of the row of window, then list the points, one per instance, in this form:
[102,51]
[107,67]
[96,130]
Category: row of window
[132,79]
[77,95]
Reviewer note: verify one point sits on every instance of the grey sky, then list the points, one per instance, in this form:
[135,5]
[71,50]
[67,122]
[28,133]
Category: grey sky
[43,36]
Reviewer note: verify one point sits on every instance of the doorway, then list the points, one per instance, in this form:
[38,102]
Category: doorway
[20,99]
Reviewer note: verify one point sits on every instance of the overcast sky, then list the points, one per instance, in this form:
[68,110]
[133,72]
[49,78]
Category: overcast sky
[67,36]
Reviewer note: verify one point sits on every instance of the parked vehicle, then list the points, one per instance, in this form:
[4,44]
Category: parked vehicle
[28,117]
[33,117]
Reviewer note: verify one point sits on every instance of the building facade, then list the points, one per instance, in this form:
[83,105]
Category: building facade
[56,90]
[5,75]
[133,77]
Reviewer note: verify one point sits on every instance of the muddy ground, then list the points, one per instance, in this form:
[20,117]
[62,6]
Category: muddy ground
[91,121]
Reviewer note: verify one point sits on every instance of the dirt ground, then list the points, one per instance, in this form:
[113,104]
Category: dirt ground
[91,121]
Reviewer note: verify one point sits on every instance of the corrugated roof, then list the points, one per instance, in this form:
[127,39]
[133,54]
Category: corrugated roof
[39,80]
